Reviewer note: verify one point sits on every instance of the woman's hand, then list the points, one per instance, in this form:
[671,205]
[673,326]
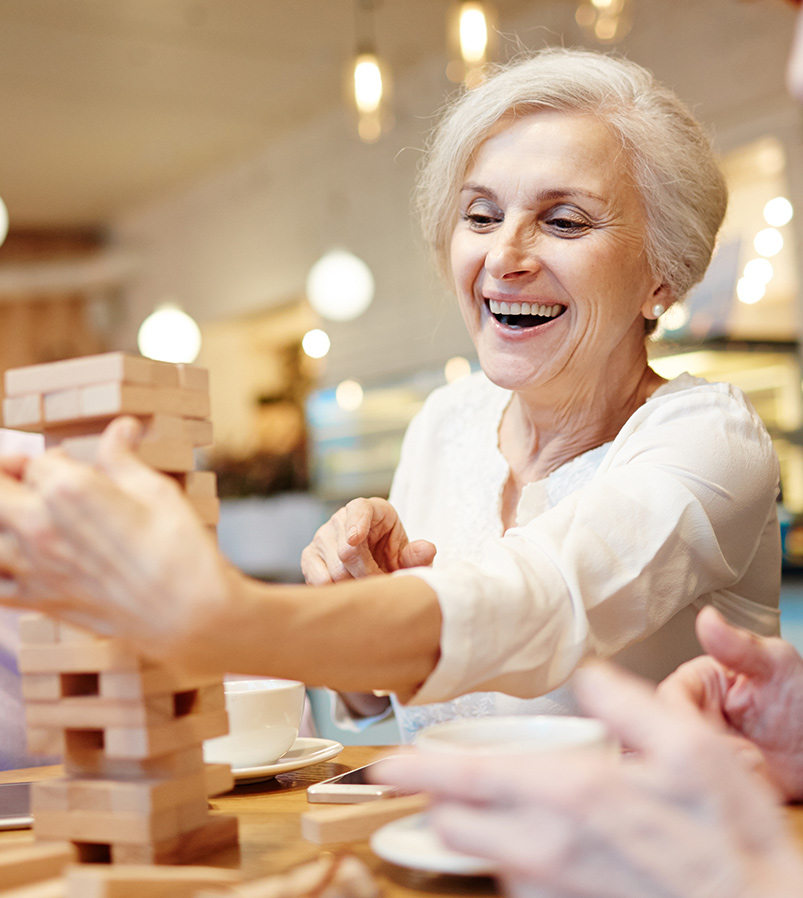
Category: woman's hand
[362,539]
[687,820]
[754,687]
[115,548]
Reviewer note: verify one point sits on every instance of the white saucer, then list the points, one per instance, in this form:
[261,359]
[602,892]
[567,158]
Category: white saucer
[304,752]
[411,842]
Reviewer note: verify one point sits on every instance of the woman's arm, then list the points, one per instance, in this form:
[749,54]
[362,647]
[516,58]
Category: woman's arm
[118,550]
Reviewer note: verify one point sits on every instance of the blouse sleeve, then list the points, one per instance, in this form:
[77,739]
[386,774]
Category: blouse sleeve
[676,510]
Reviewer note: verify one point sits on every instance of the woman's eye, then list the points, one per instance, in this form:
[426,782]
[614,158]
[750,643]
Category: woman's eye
[568,225]
[481,216]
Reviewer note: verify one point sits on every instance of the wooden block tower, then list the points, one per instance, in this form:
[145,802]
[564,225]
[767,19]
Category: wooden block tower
[130,731]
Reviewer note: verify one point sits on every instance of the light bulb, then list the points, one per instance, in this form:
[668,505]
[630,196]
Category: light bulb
[349,395]
[778,212]
[3,222]
[473,32]
[768,242]
[169,335]
[367,83]
[340,286]
[316,343]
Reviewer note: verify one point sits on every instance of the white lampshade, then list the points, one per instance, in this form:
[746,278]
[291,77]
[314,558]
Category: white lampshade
[340,286]
[169,334]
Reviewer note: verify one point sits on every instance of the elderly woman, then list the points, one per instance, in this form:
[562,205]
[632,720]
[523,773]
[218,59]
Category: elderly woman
[573,501]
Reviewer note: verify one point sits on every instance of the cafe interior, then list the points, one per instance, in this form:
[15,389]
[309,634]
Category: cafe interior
[230,184]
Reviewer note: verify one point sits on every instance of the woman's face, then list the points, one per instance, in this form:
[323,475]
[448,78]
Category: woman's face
[548,255]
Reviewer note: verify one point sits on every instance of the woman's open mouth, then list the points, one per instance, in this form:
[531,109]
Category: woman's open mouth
[524,314]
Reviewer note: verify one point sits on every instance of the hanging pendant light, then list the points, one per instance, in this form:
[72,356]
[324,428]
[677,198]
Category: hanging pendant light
[607,21]
[369,81]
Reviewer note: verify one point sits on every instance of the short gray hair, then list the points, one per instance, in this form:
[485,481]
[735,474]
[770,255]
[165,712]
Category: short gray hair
[670,156]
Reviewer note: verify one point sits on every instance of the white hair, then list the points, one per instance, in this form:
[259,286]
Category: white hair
[669,155]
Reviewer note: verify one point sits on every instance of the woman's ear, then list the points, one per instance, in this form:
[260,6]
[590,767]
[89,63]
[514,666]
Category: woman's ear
[660,300]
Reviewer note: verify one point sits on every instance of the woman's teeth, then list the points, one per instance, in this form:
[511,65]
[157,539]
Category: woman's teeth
[523,314]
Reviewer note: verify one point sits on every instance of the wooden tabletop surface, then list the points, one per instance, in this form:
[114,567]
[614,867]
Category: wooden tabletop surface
[269,815]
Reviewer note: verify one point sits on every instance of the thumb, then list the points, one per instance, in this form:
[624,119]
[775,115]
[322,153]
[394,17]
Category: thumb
[741,651]
[117,448]
[418,553]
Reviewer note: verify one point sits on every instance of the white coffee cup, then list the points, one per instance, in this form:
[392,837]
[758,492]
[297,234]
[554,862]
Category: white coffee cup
[520,734]
[264,717]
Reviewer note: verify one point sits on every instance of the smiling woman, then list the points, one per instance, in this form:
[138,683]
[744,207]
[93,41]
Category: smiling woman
[564,502]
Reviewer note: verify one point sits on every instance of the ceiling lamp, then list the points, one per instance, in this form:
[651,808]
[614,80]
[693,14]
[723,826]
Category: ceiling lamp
[169,334]
[340,286]
[369,86]
[469,41]
[607,21]
[3,222]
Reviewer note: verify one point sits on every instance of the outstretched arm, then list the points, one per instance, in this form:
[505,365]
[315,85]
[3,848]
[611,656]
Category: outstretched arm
[117,549]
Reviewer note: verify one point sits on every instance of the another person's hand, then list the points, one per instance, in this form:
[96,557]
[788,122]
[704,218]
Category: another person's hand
[687,820]
[363,538]
[114,548]
[754,687]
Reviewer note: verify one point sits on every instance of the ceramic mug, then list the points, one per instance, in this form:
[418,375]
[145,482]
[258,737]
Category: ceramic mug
[264,717]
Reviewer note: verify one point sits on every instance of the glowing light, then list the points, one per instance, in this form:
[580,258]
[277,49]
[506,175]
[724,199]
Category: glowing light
[349,395]
[473,32]
[675,317]
[456,368]
[759,270]
[367,83]
[316,343]
[3,222]
[778,212]
[340,286]
[169,335]
[749,292]
[768,242]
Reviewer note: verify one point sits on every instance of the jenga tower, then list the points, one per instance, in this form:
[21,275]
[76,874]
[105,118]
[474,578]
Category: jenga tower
[131,732]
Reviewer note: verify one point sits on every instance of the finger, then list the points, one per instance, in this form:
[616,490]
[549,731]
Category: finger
[314,568]
[419,553]
[14,465]
[628,705]
[701,683]
[741,651]
[358,519]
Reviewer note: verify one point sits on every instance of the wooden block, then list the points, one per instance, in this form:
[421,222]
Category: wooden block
[193,377]
[207,508]
[347,823]
[46,888]
[95,713]
[163,455]
[71,633]
[23,412]
[156,680]
[64,405]
[200,432]
[44,741]
[199,484]
[172,765]
[111,399]
[219,832]
[144,742]
[38,628]
[24,864]
[41,687]
[100,655]
[71,373]
[139,881]
[219,779]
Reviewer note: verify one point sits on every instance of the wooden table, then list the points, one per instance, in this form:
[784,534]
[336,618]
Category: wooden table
[270,831]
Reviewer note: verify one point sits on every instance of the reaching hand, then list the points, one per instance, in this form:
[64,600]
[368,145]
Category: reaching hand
[362,539]
[687,820]
[752,685]
[115,548]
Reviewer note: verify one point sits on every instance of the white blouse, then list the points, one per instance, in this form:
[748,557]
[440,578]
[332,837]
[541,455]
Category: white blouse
[612,554]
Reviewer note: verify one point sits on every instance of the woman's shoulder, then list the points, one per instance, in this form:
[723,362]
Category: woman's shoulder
[689,391]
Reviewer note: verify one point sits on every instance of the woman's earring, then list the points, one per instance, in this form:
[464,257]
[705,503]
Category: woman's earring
[658,310]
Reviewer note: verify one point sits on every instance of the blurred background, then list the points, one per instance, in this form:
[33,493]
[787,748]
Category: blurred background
[216,159]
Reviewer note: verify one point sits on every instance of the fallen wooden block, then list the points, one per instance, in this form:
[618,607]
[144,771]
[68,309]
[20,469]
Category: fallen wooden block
[139,881]
[21,865]
[348,823]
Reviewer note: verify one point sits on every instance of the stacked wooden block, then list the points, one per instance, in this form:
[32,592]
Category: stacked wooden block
[131,732]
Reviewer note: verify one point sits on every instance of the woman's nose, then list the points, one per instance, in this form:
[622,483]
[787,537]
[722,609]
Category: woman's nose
[512,254]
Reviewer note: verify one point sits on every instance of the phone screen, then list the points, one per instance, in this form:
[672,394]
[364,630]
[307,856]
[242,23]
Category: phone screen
[350,787]
[15,805]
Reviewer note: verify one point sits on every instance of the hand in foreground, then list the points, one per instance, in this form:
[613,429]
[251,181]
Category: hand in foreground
[687,820]
[752,685]
[115,548]
[363,538]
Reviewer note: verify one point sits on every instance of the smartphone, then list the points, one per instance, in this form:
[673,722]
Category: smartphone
[15,806]
[350,788]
